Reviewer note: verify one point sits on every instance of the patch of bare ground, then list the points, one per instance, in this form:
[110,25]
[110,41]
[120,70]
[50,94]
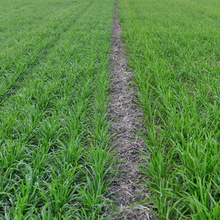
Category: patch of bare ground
[125,114]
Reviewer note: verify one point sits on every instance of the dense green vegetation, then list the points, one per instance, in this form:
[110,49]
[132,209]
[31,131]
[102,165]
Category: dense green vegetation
[28,35]
[55,158]
[54,97]
[174,50]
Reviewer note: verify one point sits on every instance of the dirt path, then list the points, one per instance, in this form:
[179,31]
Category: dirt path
[125,114]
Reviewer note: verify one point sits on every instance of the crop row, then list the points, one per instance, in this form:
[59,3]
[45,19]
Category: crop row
[54,134]
[19,58]
[174,49]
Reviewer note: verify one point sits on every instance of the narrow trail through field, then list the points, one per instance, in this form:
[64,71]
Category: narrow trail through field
[125,114]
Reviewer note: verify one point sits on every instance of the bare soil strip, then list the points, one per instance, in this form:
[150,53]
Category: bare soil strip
[125,113]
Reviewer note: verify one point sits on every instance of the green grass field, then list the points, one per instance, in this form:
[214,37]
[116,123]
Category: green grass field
[174,48]
[55,154]
[54,135]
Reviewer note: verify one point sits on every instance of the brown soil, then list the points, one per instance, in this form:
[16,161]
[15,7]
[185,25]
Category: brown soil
[125,114]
